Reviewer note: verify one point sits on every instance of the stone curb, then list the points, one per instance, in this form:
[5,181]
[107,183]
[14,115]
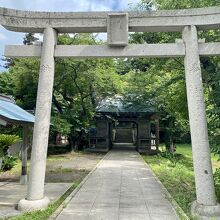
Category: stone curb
[68,199]
[168,195]
[8,204]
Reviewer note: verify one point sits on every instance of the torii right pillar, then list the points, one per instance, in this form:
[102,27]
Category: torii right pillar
[205,205]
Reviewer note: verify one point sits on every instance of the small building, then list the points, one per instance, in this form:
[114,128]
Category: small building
[118,121]
[10,113]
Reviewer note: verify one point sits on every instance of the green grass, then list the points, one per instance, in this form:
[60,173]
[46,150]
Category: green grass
[186,150]
[176,174]
[46,213]
[61,170]
[16,170]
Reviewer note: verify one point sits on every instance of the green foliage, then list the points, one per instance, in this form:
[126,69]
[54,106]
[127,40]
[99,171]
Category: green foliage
[5,141]
[21,82]
[25,73]
[173,158]
[217,183]
[29,39]
[80,85]
[62,170]
[162,81]
[21,79]
[60,125]
[176,173]
[211,70]
[11,129]
[178,180]
[174,4]
[6,83]
[8,162]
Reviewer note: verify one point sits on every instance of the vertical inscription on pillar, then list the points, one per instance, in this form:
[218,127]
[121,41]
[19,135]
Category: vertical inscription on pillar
[117,29]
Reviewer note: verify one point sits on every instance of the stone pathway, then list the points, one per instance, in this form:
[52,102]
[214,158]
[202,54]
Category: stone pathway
[11,193]
[121,188]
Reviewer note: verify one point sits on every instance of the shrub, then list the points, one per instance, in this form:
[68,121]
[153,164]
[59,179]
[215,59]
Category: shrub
[8,162]
[5,141]
[171,157]
[217,183]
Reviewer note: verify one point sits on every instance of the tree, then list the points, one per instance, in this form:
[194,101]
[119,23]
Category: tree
[165,83]
[6,84]
[24,75]
[29,39]
[81,84]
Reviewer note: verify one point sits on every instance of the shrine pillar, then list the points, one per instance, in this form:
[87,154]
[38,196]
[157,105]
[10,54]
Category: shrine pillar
[35,196]
[205,204]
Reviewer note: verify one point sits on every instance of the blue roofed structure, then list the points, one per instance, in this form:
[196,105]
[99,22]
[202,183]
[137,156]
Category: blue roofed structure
[12,113]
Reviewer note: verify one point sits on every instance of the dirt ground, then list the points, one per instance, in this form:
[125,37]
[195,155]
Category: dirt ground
[65,167]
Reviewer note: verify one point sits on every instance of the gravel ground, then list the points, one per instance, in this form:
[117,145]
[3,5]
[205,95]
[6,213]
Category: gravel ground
[67,167]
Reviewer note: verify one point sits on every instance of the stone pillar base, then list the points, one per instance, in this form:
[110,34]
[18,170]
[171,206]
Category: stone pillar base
[205,212]
[32,205]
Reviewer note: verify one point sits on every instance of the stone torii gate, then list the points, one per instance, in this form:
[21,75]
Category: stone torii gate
[117,26]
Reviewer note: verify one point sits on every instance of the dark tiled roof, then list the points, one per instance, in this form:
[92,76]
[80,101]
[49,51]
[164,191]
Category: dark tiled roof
[118,105]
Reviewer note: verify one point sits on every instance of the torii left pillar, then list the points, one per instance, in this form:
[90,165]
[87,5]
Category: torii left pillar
[35,199]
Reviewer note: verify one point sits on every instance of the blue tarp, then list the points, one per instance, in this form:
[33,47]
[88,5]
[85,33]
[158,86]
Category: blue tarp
[12,112]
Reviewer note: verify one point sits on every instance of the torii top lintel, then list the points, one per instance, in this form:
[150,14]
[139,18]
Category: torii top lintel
[138,21]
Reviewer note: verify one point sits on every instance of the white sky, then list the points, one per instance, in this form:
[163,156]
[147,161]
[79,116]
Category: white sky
[7,37]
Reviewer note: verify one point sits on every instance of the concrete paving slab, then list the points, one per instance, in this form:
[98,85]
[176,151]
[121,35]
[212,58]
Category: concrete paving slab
[107,200]
[162,217]
[73,216]
[134,209]
[103,215]
[6,211]
[12,192]
[133,216]
[79,207]
[121,188]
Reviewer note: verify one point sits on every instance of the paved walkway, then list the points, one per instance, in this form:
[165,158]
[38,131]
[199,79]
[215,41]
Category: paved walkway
[12,192]
[121,188]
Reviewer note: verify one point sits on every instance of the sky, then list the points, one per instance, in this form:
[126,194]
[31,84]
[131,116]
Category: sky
[13,38]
